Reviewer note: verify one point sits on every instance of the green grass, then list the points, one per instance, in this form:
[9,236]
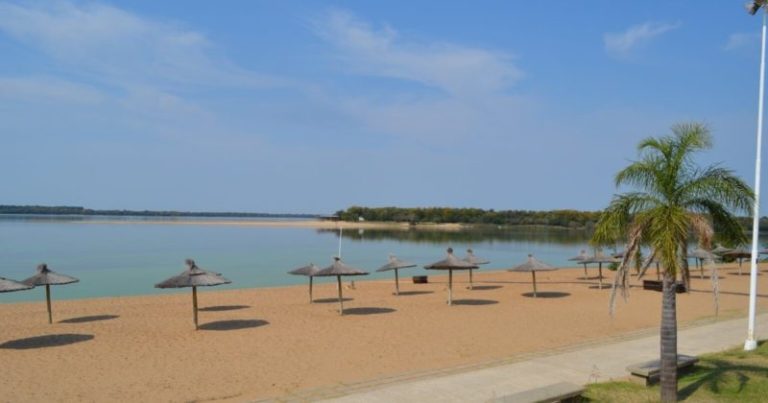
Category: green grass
[730,376]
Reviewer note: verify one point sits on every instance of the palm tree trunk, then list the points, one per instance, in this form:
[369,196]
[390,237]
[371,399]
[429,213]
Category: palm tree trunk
[669,339]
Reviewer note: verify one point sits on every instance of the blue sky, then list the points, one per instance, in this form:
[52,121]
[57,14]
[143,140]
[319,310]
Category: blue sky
[309,106]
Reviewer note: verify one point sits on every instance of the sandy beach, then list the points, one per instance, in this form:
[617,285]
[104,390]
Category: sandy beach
[270,342]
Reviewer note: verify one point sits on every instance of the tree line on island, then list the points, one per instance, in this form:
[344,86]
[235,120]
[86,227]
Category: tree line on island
[82,211]
[554,218]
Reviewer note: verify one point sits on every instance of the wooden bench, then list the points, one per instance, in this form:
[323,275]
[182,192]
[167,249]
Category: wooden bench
[650,372]
[420,280]
[657,285]
[557,392]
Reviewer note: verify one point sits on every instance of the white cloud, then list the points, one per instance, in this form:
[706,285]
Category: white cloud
[742,40]
[623,43]
[49,89]
[455,69]
[118,47]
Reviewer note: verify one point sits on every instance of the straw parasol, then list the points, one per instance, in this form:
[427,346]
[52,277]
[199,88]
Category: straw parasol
[471,258]
[339,269]
[700,255]
[193,277]
[48,278]
[581,257]
[310,271]
[395,264]
[740,253]
[533,265]
[720,250]
[450,263]
[8,285]
[600,259]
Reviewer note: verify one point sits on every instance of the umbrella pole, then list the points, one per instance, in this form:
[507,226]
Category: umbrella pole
[701,268]
[397,283]
[534,283]
[658,276]
[450,287]
[341,300]
[600,275]
[470,279]
[310,289]
[48,302]
[194,304]
[585,270]
[740,266]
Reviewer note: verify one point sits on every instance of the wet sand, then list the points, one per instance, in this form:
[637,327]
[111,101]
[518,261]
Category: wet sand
[269,342]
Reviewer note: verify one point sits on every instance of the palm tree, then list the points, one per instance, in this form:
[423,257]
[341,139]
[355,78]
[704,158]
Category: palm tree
[673,199]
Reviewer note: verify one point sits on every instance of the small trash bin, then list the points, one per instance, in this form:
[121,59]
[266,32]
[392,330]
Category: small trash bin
[420,280]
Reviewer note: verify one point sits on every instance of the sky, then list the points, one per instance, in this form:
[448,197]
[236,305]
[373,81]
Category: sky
[310,106]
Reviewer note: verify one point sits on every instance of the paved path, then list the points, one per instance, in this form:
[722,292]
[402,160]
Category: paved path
[579,366]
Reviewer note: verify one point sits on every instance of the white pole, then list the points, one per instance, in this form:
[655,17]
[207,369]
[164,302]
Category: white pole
[751,342]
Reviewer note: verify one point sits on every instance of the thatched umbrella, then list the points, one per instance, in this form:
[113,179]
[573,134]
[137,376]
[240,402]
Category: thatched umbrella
[533,265]
[8,285]
[48,278]
[310,271]
[339,269]
[581,257]
[395,264]
[450,263]
[700,255]
[193,277]
[740,253]
[720,250]
[600,259]
[471,258]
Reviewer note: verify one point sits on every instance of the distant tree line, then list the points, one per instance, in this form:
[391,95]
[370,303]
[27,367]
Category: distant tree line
[553,218]
[556,218]
[81,211]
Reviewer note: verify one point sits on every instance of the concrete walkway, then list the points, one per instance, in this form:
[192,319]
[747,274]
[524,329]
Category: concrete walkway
[595,363]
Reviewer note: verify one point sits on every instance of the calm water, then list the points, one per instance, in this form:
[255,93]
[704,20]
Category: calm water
[129,258]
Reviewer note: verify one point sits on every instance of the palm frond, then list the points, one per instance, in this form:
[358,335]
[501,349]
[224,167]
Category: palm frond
[720,185]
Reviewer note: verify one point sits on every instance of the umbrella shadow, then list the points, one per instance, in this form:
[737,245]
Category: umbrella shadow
[606,286]
[589,278]
[331,300]
[407,293]
[485,287]
[547,294]
[745,273]
[367,311]
[93,318]
[474,302]
[50,340]
[235,324]
[220,308]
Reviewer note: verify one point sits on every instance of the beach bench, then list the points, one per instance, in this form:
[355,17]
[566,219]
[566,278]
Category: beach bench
[556,392]
[649,372]
[420,280]
[656,285]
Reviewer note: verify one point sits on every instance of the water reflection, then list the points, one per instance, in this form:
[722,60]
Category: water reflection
[470,235]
